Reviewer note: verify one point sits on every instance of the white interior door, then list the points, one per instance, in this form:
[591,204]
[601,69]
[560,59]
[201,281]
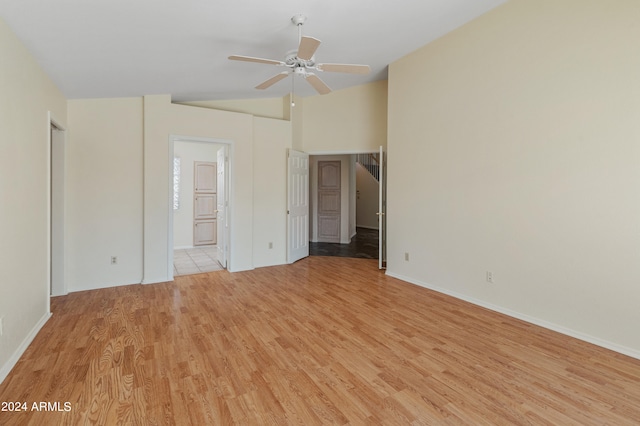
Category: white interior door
[382,217]
[297,205]
[221,208]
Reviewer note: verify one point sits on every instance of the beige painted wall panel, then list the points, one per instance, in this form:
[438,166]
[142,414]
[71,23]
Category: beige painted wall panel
[348,120]
[104,192]
[513,148]
[297,116]
[271,138]
[267,108]
[27,95]
[163,119]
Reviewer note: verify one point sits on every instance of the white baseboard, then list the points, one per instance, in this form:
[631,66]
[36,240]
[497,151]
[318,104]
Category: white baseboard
[367,227]
[532,320]
[156,280]
[6,369]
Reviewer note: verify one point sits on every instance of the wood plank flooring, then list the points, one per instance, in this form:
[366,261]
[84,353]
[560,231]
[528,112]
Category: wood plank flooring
[323,341]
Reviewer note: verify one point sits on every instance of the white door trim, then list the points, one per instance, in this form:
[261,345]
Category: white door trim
[222,194]
[382,211]
[58,286]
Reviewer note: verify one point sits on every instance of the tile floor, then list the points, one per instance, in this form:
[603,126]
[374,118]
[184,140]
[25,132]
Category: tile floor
[195,260]
[363,245]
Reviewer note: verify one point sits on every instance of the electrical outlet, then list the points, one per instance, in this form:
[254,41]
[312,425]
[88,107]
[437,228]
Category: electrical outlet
[1,326]
[270,245]
[406,256]
[490,277]
[114,260]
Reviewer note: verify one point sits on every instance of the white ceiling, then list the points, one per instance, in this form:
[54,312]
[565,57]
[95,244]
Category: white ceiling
[121,48]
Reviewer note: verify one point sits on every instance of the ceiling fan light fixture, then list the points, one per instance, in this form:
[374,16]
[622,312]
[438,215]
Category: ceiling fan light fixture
[302,61]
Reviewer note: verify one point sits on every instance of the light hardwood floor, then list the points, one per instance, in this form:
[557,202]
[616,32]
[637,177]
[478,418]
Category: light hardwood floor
[323,341]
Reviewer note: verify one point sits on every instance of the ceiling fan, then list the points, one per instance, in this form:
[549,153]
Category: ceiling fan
[302,61]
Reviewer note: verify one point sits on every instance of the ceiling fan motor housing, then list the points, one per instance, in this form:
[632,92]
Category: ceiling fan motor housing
[292,60]
[298,19]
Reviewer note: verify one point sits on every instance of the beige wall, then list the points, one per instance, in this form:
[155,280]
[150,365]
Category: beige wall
[271,139]
[513,148]
[27,97]
[258,212]
[266,108]
[272,135]
[104,192]
[106,174]
[296,116]
[162,119]
[349,120]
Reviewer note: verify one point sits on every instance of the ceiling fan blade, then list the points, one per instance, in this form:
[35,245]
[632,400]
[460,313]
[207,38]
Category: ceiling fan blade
[348,68]
[273,80]
[307,48]
[252,59]
[318,84]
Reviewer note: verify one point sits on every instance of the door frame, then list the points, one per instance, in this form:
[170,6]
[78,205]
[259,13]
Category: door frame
[228,193]
[222,204]
[382,210]
[55,222]
[382,251]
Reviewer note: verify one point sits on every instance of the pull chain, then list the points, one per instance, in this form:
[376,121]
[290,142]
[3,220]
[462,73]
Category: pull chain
[293,78]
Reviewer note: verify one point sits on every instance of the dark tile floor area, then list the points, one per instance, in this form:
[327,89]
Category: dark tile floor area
[363,245]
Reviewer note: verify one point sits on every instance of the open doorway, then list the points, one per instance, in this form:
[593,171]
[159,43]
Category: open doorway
[199,235]
[344,205]
[57,285]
